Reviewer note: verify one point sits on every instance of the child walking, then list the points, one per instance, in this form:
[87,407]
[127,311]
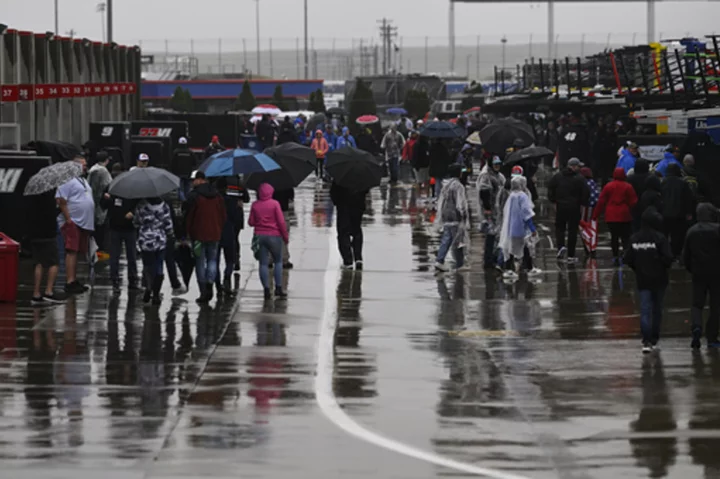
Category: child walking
[155,230]
[650,257]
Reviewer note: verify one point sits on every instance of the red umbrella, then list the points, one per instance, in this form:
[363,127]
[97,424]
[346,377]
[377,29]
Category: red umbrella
[367,120]
[475,109]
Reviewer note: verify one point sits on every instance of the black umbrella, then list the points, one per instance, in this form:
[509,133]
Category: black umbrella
[296,163]
[316,120]
[442,129]
[185,261]
[57,150]
[529,153]
[500,135]
[354,169]
[144,183]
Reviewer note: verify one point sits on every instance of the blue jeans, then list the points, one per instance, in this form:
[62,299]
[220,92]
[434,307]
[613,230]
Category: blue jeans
[119,238]
[270,245]
[393,166]
[152,265]
[651,304]
[446,241]
[206,264]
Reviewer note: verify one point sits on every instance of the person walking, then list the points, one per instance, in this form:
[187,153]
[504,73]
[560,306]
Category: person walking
[421,165]
[650,258]
[588,224]
[638,180]
[99,179]
[42,231]
[678,207]
[122,232]
[628,157]
[567,189]
[204,220]
[518,230]
[233,223]
[350,206]
[393,143]
[321,148]
[617,201]
[700,185]
[346,139]
[155,231]
[184,163]
[670,157]
[77,222]
[489,183]
[270,233]
[453,221]
[702,260]
[651,197]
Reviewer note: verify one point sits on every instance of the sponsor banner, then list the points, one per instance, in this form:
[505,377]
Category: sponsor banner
[52,91]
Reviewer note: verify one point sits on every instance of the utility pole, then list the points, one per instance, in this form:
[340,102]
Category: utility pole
[257,33]
[387,32]
[109,15]
[57,12]
[307,58]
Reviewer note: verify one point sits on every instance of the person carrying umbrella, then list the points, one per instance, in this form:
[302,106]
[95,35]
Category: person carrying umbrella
[393,143]
[43,236]
[270,232]
[350,206]
[453,220]
[321,147]
[155,230]
[99,179]
[489,184]
[143,161]
[204,220]
[346,139]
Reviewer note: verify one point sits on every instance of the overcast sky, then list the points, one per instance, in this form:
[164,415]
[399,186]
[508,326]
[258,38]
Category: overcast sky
[206,20]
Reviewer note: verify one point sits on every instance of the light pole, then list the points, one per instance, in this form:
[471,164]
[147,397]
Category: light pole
[503,40]
[109,15]
[307,58]
[100,8]
[57,9]
[257,33]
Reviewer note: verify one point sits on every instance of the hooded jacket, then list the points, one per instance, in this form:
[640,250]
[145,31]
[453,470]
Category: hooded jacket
[651,197]
[206,214]
[617,200]
[639,177]
[266,215]
[568,190]
[668,159]
[700,185]
[702,244]
[183,161]
[154,224]
[421,154]
[678,201]
[343,141]
[649,254]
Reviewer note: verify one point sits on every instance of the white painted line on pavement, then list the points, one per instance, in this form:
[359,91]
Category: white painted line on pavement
[327,401]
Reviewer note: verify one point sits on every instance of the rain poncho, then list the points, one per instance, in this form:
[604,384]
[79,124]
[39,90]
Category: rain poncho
[489,184]
[517,222]
[452,210]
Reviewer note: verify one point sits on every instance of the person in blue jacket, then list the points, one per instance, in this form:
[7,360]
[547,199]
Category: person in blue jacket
[346,139]
[672,156]
[330,136]
[628,157]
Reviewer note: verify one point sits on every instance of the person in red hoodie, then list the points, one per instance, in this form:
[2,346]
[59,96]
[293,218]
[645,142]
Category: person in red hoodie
[617,201]
[204,221]
[267,218]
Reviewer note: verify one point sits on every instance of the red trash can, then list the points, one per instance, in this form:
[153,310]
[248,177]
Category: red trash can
[9,264]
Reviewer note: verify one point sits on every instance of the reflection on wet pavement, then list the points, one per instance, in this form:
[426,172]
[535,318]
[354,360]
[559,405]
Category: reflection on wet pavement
[537,379]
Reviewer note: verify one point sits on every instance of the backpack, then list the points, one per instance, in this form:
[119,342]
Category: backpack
[692,182]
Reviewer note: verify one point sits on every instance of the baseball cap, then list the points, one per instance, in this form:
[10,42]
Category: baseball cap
[574,162]
[517,170]
[143,157]
[215,139]
[496,160]
[197,175]
[182,140]
[632,144]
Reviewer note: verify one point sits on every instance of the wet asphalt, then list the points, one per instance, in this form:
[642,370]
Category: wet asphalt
[541,379]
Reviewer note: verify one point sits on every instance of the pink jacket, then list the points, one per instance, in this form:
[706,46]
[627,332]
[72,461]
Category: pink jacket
[266,215]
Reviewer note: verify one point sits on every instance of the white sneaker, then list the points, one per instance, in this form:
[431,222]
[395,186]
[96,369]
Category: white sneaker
[535,272]
[348,267]
[510,274]
[646,349]
[179,291]
[561,253]
[572,260]
[441,267]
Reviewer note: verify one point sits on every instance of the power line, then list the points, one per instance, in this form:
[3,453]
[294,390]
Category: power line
[388,33]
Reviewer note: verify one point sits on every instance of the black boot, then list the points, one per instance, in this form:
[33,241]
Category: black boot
[268,294]
[147,296]
[210,292]
[203,299]
[280,294]
[157,285]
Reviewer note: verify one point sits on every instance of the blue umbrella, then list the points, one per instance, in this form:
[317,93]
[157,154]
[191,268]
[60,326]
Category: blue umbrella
[442,129]
[237,162]
[396,111]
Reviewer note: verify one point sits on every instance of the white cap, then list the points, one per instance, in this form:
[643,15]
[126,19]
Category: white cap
[420,122]
[143,157]
[182,140]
